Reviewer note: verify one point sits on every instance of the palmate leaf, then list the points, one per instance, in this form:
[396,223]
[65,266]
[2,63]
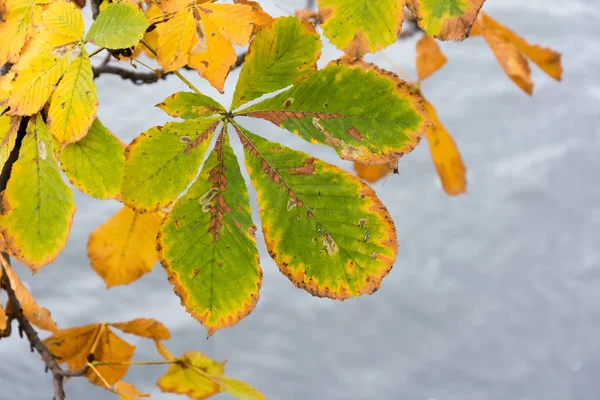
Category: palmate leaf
[37,206]
[118,26]
[208,247]
[366,114]
[161,162]
[189,105]
[325,228]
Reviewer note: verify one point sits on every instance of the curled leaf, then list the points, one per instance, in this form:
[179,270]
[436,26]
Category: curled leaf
[144,327]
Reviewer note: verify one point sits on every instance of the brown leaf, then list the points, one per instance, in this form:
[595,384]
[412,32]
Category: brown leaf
[445,155]
[79,3]
[144,327]
[97,342]
[429,57]
[38,316]
[306,15]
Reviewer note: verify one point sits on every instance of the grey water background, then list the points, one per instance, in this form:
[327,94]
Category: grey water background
[495,294]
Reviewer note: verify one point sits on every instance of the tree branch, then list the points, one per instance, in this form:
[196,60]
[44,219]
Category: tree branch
[58,374]
[95,8]
[136,77]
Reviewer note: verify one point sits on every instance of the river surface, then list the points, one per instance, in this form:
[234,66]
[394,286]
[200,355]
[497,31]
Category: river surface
[495,295]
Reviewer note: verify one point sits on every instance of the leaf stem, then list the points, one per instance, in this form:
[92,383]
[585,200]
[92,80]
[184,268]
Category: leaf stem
[403,74]
[167,362]
[177,73]
[100,376]
[93,53]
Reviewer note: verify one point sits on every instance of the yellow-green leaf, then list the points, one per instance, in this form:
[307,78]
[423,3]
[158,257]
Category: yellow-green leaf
[325,228]
[96,163]
[361,26]
[161,162]
[188,105]
[280,54]
[74,104]
[336,106]
[37,206]
[208,247]
[446,19]
[33,86]
[199,377]
[118,26]
[8,134]
[124,248]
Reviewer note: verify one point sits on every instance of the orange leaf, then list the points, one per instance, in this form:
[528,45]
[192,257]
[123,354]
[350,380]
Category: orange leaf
[97,342]
[162,350]
[144,327]
[127,391]
[202,35]
[124,247]
[429,57]
[306,14]
[2,316]
[512,52]
[38,316]
[445,155]
[373,173]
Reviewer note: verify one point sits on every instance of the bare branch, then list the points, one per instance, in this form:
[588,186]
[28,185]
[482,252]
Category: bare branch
[136,77]
[95,8]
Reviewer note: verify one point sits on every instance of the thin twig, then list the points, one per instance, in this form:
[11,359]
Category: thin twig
[136,77]
[58,374]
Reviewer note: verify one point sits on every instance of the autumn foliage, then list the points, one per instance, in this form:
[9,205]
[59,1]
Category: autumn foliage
[187,204]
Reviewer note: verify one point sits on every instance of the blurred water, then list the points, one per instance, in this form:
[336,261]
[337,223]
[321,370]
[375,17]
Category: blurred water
[495,295]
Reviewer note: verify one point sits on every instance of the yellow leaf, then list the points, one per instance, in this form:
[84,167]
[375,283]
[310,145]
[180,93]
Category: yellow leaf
[144,327]
[39,316]
[429,57]
[445,155]
[547,59]
[199,377]
[151,37]
[127,391]
[74,104]
[9,127]
[96,342]
[33,86]
[175,39]
[124,248]
[44,43]
[373,173]
[261,18]
[64,18]
[16,28]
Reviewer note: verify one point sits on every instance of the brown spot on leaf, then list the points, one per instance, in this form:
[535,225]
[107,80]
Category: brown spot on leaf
[354,133]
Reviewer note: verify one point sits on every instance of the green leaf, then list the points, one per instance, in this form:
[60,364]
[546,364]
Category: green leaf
[161,163]
[281,54]
[208,247]
[37,206]
[118,26]
[325,228]
[8,134]
[95,164]
[367,114]
[446,19]
[74,104]
[188,105]
[358,27]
